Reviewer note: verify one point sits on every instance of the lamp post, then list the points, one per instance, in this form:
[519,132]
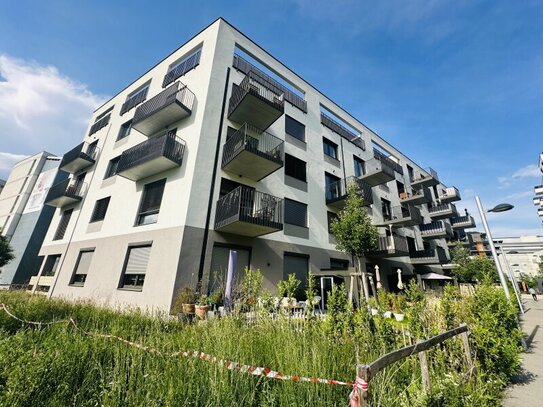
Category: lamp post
[512,277]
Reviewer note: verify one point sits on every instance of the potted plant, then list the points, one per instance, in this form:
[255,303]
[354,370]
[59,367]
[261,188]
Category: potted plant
[373,305]
[184,301]
[216,299]
[287,288]
[399,307]
[202,307]
[387,301]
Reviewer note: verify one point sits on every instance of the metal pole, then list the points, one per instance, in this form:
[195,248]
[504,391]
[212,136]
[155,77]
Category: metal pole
[492,248]
[513,280]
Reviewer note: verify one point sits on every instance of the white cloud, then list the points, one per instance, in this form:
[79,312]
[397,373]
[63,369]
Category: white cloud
[528,171]
[7,160]
[41,109]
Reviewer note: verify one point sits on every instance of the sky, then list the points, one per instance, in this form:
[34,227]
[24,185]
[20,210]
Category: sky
[455,85]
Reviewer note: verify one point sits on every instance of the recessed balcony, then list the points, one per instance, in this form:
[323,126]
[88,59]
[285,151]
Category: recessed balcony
[425,178]
[171,105]
[247,212]
[391,246]
[436,255]
[379,170]
[538,190]
[540,212]
[151,157]
[336,192]
[416,196]
[538,201]
[443,211]
[67,192]
[436,230]
[252,153]
[450,194]
[403,215]
[79,158]
[463,222]
[257,101]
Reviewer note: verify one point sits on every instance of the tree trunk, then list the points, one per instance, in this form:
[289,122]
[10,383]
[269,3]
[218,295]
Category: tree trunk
[364,277]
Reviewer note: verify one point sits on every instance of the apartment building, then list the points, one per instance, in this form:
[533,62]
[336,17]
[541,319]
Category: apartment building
[538,190]
[24,219]
[221,147]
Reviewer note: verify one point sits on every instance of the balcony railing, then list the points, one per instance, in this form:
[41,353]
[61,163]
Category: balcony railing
[436,255]
[336,192]
[151,157]
[66,192]
[253,153]
[446,210]
[79,158]
[256,101]
[245,211]
[342,130]
[391,163]
[538,189]
[449,194]
[463,222]
[171,105]
[437,229]
[416,196]
[540,212]
[425,178]
[99,124]
[538,201]
[391,246]
[404,215]
[379,170]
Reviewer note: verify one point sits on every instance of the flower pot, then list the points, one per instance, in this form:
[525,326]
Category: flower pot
[201,311]
[188,308]
[374,311]
[387,314]
[399,317]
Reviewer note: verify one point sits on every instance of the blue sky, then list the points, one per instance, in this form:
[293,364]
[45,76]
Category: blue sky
[456,85]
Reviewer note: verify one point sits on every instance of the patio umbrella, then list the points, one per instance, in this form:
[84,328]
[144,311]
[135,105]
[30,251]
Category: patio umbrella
[378,277]
[400,283]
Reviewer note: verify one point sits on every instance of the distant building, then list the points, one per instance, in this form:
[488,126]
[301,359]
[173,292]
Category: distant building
[538,190]
[522,254]
[24,219]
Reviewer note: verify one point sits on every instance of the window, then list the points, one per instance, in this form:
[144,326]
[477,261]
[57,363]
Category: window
[295,168]
[294,128]
[63,224]
[150,202]
[332,216]
[135,98]
[297,264]
[295,213]
[339,264]
[124,131]
[135,267]
[329,147]
[100,209]
[332,186]
[359,168]
[112,167]
[386,209]
[51,265]
[82,267]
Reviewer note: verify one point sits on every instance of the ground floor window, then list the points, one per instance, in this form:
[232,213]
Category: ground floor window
[135,268]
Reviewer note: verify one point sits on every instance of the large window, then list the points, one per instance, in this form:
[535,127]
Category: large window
[295,213]
[150,202]
[51,265]
[124,131]
[294,128]
[135,267]
[100,209]
[82,267]
[295,168]
[63,224]
[329,148]
[386,209]
[112,167]
[332,186]
[359,168]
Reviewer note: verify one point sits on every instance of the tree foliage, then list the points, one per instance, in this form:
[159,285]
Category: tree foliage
[6,252]
[468,269]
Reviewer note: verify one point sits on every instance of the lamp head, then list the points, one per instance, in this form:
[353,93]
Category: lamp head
[501,208]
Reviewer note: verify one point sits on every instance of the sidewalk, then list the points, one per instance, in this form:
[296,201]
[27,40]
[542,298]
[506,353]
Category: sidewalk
[527,390]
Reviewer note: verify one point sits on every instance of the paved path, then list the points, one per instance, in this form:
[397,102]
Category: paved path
[528,388]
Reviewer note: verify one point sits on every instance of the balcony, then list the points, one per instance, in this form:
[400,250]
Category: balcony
[65,193]
[171,105]
[538,201]
[403,215]
[252,153]
[450,194]
[425,178]
[540,212]
[336,192]
[416,197]
[436,230]
[465,242]
[443,211]
[79,158]
[436,255]
[463,222]
[379,170]
[391,246]
[257,101]
[151,157]
[538,190]
[247,212]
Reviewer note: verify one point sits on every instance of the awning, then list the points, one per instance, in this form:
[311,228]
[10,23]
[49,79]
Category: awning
[434,276]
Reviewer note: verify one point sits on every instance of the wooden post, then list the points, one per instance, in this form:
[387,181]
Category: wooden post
[467,350]
[424,370]
[363,371]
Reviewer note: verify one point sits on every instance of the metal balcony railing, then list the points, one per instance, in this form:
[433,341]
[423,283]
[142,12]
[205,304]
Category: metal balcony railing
[449,193]
[538,189]
[442,209]
[85,151]
[338,190]
[390,163]
[435,228]
[463,221]
[391,245]
[99,124]
[254,140]
[69,188]
[344,132]
[433,254]
[401,212]
[427,173]
[259,86]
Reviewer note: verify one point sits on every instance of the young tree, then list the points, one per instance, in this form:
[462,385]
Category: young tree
[6,252]
[354,232]
[468,269]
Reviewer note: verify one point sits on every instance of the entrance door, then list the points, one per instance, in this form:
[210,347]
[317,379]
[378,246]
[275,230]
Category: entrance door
[327,283]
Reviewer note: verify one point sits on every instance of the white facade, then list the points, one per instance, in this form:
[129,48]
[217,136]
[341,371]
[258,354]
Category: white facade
[188,241]
[523,253]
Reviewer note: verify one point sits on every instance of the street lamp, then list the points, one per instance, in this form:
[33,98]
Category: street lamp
[512,277]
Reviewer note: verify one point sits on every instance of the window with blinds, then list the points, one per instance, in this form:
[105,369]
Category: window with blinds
[82,267]
[135,267]
[295,213]
[297,264]
[329,148]
[112,167]
[51,265]
[294,128]
[100,209]
[63,224]
[359,167]
[124,131]
[295,168]
[150,202]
